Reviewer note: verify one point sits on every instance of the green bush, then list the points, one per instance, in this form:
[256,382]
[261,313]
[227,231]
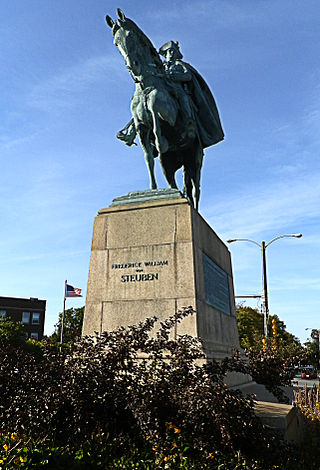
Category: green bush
[269,368]
[12,332]
[102,453]
[129,393]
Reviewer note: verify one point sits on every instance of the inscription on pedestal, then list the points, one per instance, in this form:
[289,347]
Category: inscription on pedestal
[139,268]
[216,284]
[139,277]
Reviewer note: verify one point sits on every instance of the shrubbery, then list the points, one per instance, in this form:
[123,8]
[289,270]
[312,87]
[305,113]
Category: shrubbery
[12,332]
[127,393]
[269,368]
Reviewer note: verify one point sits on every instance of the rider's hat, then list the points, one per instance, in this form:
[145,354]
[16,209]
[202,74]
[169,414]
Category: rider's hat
[168,45]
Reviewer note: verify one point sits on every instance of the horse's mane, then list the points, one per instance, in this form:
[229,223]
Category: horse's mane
[145,41]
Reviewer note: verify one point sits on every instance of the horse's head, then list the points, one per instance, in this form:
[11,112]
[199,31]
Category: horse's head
[133,44]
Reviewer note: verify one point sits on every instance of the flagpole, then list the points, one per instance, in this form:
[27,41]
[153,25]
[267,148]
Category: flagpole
[64,308]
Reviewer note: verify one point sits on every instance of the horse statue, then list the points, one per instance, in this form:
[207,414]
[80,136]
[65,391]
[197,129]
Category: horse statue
[173,111]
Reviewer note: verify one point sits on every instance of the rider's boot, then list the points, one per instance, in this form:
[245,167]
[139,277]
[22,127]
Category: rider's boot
[128,134]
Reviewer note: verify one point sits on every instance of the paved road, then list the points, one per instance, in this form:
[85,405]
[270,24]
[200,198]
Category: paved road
[300,383]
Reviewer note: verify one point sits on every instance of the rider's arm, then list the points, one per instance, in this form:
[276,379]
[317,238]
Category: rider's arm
[179,73]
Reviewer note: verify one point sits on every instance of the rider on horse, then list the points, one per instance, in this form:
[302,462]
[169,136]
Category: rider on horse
[181,77]
[197,105]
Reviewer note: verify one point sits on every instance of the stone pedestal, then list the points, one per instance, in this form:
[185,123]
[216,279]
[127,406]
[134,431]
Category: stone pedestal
[152,254]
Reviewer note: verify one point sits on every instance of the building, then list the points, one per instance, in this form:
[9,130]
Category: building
[31,312]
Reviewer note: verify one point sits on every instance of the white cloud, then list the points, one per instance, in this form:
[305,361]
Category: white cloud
[275,205]
[59,90]
[7,142]
[29,259]
[305,283]
[311,118]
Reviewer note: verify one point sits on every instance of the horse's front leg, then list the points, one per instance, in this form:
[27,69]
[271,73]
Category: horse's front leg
[160,141]
[144,137]
[160,106]
[197,176]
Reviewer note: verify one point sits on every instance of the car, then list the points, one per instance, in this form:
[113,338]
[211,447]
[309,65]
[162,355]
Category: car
[308,372]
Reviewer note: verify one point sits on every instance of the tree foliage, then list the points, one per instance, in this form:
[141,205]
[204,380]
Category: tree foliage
[250,327]
[313,349]
[251,334]
[270,363]
[73,319]
[12,332]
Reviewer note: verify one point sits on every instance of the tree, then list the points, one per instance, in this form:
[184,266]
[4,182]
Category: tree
[313,349]
[73,319]
[250,326]
[287,345]
[12,332]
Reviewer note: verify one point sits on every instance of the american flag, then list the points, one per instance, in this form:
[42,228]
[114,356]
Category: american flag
[73,291]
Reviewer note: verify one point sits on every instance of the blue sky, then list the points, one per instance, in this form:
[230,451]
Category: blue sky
[66,92]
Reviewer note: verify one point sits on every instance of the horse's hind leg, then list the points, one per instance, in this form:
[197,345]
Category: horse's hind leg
[187,186]
[168,170]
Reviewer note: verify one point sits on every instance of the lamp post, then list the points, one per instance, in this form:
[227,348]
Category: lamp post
[263,246]
[318,333]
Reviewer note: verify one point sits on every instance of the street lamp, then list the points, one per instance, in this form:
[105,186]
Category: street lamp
[263,246]
[318,332]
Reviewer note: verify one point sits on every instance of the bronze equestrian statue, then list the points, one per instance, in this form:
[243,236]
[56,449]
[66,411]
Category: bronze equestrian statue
[174,113]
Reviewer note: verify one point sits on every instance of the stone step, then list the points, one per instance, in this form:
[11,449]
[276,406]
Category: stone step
[284,420]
